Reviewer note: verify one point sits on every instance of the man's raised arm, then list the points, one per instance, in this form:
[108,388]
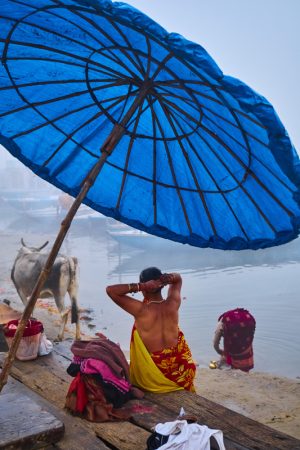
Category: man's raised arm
[174,281]
[119,294]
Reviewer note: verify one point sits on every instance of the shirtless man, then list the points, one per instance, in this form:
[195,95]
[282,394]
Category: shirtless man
[160,359]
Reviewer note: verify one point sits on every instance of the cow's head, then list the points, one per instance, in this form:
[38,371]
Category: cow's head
[32,249]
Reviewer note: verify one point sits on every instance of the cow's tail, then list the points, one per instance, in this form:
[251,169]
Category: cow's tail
[73,267]
[74,313]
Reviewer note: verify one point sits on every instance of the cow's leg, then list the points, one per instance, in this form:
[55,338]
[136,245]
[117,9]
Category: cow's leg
[64,319]
[22,295]
[73,291]
[74,310]
[59,300]
[75,315]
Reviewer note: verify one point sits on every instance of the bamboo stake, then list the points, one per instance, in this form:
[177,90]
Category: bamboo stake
[107,149]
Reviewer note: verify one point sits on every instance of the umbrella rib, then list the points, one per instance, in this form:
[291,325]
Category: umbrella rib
[186,81]
[253,155]
[247,168]
[128,156]
[173,172]
[92,94]
[151,102]
[39,27]
[117,81]
[41,103]
[232,123]
[62,116]
[241,186]
[161,65]
[58,51]
[221,117]
[45,102]
[250,119]
[70,136]
[203,107]
[199,94]
[141,67]
[189,101]
[60,61]
[220,191]
[101,30]
[149,51]
[180,110]
[49,82]
[200,192]
[23,133]
[129,93]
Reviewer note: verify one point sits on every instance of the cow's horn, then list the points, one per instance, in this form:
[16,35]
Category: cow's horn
[44,245]
[23,243]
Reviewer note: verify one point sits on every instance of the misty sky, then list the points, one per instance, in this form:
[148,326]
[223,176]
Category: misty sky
[257,41]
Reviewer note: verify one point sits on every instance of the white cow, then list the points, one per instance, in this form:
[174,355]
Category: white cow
[62,279]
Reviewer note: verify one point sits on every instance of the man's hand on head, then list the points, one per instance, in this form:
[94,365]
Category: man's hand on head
[167,278]
[151,285]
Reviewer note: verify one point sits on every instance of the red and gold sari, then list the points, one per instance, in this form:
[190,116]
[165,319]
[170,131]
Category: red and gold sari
[168,370]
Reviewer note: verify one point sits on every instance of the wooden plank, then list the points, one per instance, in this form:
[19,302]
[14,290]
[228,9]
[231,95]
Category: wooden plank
[161,413]
[47,376]
[239,430]
[122,435]
[25,424]
[76,436]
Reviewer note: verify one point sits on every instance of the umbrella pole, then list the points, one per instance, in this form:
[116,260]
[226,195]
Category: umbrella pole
[65,225]
[107,148]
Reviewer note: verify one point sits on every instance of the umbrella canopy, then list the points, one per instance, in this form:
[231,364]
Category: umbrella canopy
[198,157]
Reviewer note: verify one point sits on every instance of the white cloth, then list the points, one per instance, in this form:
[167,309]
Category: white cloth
[184,436]
[45,346]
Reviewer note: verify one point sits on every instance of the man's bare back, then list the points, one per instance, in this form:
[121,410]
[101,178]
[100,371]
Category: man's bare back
[157,325]
[156,319]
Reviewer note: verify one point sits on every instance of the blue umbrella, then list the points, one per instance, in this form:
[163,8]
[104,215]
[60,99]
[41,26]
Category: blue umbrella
[192,155]
[142,126]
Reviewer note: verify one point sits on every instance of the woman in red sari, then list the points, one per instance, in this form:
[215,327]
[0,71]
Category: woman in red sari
[237,328]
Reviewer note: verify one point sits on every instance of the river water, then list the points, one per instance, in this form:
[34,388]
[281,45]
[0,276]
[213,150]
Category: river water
[265,281]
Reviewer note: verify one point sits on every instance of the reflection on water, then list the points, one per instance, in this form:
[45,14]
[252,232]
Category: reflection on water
[264,281]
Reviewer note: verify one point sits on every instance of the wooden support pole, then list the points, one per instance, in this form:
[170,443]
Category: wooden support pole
[107,148]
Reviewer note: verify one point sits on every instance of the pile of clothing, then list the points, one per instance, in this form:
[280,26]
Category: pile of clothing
[183,435]
[101,384]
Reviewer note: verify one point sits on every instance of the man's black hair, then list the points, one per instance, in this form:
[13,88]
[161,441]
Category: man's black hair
[151,273]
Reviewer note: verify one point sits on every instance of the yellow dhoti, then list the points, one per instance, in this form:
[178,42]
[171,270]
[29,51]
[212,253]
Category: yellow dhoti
[171,369]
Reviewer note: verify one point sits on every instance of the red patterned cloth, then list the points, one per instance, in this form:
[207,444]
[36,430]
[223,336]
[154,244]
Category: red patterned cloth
[86,398]
[176,363]
[238,327]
